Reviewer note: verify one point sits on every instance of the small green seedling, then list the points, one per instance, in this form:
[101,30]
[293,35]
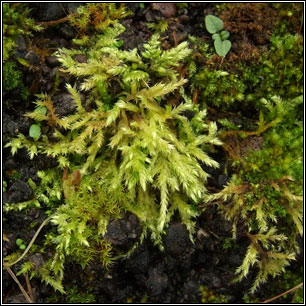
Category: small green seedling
[20,243]
[35,131]
[141,5]
[214,25]
[42,110]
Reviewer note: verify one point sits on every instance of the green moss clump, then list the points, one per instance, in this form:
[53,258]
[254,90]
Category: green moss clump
[94,18]
[219,88]
[279,72]
[12,79]
[290,18]
[130,147]
[266,192]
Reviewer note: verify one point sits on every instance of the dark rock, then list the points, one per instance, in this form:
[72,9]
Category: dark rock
[47,11]
[32,58]
[115,234]
[139,262]
[157,281]
[27,171]
[64,104]
[177,239]
[20,191]
[124,233]
[52,61]
[6,120]
[12,128]
[133,227]
[24,124]
[67,31]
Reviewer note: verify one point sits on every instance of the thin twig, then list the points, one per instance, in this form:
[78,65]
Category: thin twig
[9,270]
[290,290]
[29,287]
[52,22]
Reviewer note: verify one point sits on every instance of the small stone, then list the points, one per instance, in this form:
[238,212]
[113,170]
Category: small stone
[167,9]
[52,61]
[177,239]
[115,234]
[64,104]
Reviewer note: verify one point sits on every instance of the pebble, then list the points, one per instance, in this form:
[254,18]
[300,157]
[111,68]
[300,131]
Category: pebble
[19,192]
[167,9]
[52,61]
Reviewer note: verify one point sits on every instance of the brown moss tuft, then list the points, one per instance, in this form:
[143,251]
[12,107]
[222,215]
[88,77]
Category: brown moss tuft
[250,25]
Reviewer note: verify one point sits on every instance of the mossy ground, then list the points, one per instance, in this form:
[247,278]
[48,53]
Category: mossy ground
[265,61]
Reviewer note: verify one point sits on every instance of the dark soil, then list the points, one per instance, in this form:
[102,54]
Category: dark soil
[148,275]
